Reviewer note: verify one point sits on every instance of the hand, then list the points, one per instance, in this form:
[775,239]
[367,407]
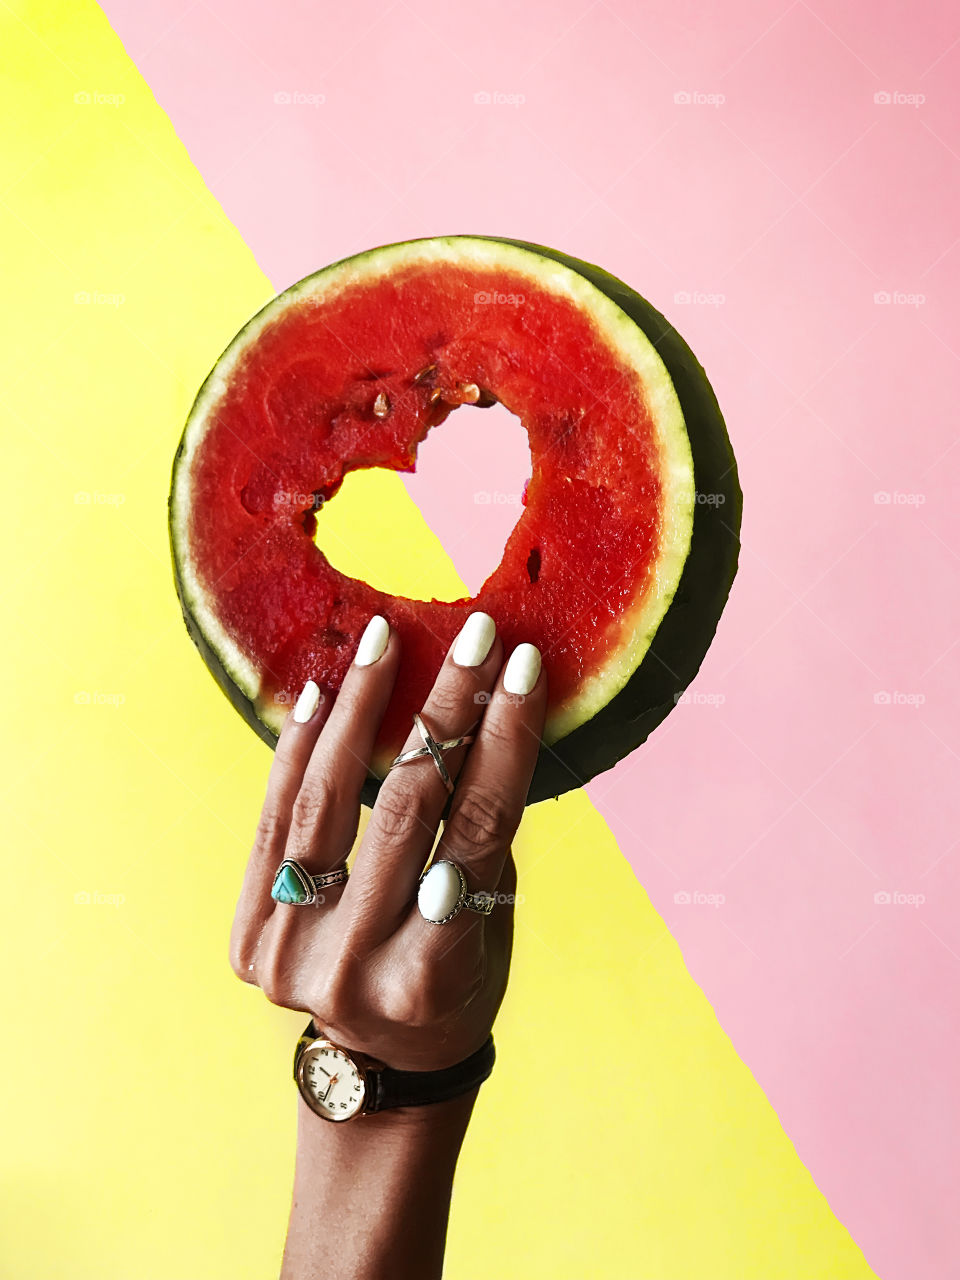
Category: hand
[376,976]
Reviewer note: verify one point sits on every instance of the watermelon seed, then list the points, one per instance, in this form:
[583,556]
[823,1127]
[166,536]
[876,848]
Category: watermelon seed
[381,406]
[419,377]
[470,393]
[533,564]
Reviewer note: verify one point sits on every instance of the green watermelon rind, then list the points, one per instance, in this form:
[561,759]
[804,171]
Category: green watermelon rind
[619,723]
[687,629]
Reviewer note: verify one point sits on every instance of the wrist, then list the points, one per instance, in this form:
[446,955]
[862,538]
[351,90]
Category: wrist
[344,1085]
[371,1198]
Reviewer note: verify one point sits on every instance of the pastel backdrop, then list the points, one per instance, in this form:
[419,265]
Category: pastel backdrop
[772,969]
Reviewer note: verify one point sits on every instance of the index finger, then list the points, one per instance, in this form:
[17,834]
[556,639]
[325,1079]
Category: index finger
[492,788]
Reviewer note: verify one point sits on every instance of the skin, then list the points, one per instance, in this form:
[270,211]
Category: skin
[371,1196]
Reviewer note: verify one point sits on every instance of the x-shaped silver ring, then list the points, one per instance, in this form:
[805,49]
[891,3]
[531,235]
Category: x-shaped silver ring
[432,748]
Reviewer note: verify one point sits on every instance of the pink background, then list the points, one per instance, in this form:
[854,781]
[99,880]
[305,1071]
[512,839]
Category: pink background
[814,766]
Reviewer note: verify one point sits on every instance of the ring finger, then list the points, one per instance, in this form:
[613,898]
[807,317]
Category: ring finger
[326,812]
[315,785]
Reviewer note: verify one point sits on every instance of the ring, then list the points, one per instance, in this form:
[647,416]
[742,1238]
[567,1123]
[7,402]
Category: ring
[432,748]
[295,885]
[442,894]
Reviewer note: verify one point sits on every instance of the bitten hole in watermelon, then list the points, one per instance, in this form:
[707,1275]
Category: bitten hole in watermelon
[471,476]
[610,566]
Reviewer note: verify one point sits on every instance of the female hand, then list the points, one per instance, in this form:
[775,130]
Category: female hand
[376,976]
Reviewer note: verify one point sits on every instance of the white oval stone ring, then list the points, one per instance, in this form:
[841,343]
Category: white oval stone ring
[442,894]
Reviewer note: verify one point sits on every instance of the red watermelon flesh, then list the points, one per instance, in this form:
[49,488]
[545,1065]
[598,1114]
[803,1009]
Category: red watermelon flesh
[301,409]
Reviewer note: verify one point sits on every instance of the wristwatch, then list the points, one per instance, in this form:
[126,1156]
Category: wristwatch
[340,1084]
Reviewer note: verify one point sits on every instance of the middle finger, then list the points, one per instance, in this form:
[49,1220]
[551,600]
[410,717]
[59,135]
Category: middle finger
[403,826]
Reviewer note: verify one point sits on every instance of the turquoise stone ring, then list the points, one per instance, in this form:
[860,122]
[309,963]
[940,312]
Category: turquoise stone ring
[294,885]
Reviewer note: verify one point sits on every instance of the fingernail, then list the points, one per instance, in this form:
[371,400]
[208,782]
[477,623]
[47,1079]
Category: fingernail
[372,642]
[522,670]
[474,641]
[307,703]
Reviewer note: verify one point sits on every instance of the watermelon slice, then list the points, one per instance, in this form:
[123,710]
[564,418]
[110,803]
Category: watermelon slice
[618,567]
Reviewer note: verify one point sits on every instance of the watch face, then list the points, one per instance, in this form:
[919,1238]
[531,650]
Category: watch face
[330,1081]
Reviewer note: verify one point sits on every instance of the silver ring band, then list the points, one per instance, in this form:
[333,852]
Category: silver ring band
[432,748]
[330,878]
[417,753]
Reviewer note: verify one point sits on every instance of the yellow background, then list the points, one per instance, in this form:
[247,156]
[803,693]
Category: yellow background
[148,1112]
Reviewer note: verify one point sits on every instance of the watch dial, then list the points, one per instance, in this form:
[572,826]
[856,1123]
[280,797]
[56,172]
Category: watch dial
[334,1085]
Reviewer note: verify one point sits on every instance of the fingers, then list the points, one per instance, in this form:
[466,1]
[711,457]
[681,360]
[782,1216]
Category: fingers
[313,796]
[294,747]
[404,822]
[492,789]
[326,812]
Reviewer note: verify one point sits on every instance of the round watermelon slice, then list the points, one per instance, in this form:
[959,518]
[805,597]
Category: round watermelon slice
[618,567]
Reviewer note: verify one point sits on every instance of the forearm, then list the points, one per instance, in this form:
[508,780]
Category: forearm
[371,1197]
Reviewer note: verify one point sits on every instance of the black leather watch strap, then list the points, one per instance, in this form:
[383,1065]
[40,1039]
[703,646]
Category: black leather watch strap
[387,1087]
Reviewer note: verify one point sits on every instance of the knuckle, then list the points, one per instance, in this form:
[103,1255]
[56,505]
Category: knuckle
[332,991]
[424,994]
[241,952]
[444,707]
[482,822]
[319,793]
[273,976]
[410,999]
[271,827]
[401,815]
[239,963]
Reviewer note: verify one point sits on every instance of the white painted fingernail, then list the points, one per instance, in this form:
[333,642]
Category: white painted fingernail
[523,669]
[372,642]
[474,641]
[307,703]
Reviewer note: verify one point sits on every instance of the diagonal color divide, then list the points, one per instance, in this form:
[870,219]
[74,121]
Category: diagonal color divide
[790,817]
[169,1104]
[818,986]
